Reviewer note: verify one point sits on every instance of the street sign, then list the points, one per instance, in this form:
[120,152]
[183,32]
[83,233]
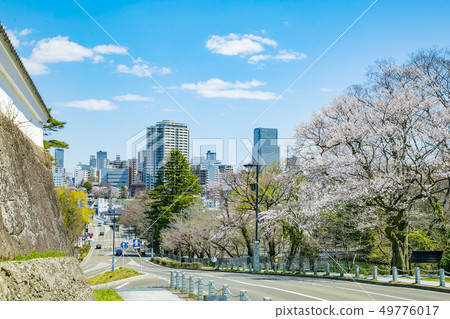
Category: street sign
[136,242]
[124,244]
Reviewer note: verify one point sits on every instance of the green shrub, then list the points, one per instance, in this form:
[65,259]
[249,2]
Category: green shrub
[196,265]
[445,261]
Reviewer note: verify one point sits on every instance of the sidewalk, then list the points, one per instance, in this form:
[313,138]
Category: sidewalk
[148,294]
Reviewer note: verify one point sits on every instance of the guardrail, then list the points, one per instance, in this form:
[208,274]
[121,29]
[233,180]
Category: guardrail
[373,273]
[176,278]
[293,269]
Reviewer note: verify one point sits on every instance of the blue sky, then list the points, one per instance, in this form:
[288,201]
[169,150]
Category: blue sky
[224,62]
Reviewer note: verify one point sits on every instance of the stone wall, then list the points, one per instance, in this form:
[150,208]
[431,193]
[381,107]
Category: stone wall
[29,211]
[51,279]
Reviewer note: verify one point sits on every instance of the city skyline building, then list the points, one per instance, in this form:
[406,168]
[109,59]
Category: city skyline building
[59,176]
[161,139]
[59,156]
[93,161]
[265,146]
[101,159]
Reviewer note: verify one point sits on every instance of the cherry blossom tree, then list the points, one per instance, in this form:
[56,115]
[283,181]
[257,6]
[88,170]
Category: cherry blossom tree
[383,147]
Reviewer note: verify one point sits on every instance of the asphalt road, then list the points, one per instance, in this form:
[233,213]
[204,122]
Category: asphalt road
[279,288]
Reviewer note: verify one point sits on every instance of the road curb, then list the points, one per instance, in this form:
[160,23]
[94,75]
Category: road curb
[380,283]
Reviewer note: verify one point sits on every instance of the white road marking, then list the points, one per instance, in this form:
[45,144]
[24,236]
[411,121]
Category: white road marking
[122,285]
[359,290]
[279,289]
[133,263]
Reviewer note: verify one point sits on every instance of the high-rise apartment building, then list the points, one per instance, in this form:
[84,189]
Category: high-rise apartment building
[161,139]
[265,146]
[59,155]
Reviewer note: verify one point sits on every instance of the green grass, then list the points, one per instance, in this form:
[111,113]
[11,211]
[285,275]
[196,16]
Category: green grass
[109,276]
[33,255]
[447,279]
[106,295]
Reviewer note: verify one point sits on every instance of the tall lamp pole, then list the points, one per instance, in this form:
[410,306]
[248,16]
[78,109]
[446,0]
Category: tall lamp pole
[256,243]
[114,214]
[181,216]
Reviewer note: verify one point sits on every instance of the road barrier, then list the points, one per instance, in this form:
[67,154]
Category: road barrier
[212,289]
[179,281]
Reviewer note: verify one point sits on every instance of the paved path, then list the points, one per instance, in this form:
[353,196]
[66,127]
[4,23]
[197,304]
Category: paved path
[148,294]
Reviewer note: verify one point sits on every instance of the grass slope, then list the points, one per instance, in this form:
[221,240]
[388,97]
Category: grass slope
[106,295]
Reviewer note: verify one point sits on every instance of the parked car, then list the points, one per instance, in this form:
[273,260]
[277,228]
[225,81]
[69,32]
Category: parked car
[102,233]
[99,224]
[98,246]
[119,252]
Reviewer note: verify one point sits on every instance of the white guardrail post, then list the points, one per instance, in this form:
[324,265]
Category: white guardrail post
[375,275]
[191,285]
[417,275]
[177,282]
[441,278]
[183,283]
[200,289]
[172,284]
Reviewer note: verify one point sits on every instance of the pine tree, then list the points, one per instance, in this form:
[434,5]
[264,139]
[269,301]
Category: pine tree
[176,188]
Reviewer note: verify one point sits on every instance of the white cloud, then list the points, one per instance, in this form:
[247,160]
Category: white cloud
[25,32]
[59,49]
[249,45]
[327,90]
[109,49]
[14,35]
[142,70]
[257,58]
[214,88]
[90,105]
[133,97]
[237,44]
[98,58]
[285,55]
[13,38]
[35,68]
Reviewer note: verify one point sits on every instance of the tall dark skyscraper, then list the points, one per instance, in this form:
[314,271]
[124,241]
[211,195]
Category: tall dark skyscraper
[101,156]
[59,155]
[265,146]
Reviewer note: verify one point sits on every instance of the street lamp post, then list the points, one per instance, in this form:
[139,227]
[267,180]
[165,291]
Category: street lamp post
[256,243]
[181,217]
[151,222]
[114,214]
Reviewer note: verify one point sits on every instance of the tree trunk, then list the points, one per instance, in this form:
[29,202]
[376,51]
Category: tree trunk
[397,233]
[248,242]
